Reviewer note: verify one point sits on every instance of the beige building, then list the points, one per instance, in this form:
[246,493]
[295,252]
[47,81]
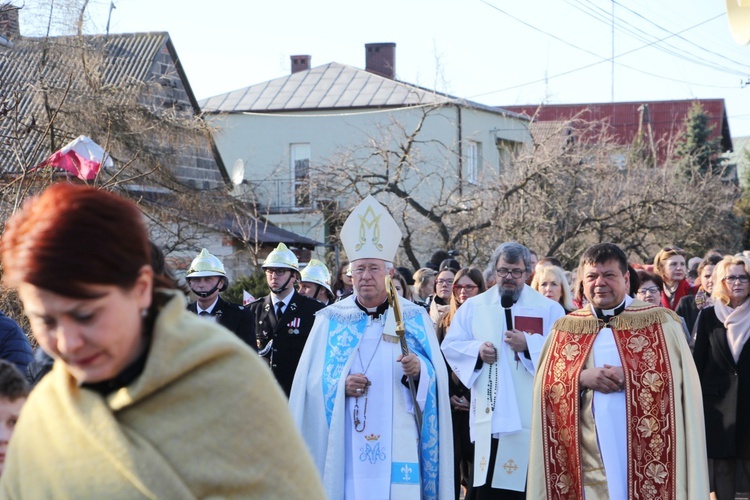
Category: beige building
[277,134]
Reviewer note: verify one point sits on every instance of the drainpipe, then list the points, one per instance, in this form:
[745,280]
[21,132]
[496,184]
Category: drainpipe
[460,154]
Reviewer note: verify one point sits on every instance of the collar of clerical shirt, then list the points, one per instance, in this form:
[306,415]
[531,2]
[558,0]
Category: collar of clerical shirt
[374,312]
[607,314]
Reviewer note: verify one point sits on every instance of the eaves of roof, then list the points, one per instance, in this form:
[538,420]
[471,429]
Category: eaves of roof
[239,222]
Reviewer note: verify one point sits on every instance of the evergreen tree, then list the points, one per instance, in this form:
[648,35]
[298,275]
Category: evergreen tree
[696,152]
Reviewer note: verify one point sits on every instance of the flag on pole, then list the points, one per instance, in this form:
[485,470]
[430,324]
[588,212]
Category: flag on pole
[82,158]
[246,298]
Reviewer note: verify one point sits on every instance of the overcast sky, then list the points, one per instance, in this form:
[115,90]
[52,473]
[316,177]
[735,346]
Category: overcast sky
[498,52]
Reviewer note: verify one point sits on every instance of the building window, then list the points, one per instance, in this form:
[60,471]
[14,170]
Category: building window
[300,159]
[506,153]
[473,160]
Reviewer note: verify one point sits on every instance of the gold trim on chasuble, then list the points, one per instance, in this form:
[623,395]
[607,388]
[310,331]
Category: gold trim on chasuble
[649,401]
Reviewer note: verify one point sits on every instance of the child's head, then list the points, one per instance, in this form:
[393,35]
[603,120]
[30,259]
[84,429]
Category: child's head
[13,392]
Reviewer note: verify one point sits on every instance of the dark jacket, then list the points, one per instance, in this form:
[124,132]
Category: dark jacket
[235,318]
[288,335]
[14,346]
[40,367]
[688,311]
[726,389]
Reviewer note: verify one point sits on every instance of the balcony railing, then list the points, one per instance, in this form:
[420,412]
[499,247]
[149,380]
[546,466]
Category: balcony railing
[283,195]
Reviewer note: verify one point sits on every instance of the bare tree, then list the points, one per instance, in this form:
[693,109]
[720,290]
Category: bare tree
[558,197]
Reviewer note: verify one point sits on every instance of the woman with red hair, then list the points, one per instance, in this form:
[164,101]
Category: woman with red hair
[145,399]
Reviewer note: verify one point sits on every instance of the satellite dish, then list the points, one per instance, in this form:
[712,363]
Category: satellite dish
[738,13]
[238,172]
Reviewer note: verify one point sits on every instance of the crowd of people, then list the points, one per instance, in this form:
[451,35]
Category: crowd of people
[515,380]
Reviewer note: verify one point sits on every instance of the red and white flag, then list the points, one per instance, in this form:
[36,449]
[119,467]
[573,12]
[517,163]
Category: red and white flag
[246,297]
[82,158]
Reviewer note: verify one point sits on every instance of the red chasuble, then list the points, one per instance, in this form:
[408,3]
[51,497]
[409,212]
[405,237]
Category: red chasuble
[649,396]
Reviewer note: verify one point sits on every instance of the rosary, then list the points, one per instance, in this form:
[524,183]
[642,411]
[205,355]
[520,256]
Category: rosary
[355,413]
[492,385]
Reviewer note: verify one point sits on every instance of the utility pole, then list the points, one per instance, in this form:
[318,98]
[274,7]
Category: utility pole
[613,51]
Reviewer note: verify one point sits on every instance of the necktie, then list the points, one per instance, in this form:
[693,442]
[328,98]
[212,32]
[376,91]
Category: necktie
[204,313]
[279,310]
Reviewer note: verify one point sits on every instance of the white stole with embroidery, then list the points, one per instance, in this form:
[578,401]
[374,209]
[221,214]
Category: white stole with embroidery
[487,325]
[382,459]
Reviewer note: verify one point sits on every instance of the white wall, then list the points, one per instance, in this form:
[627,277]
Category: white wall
[262,142]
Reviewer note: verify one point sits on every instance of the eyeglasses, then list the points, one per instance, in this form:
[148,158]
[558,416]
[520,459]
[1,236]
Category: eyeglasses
[516,273]
[444,282]
[278,272]
[468,288]
[734,279]
[650,290]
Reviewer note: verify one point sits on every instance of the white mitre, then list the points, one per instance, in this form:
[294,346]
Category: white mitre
[370,232]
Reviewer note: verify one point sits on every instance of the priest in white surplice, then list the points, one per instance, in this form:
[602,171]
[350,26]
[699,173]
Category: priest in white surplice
[350,398]
[497,361]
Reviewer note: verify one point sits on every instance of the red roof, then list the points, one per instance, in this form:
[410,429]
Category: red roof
[667,118]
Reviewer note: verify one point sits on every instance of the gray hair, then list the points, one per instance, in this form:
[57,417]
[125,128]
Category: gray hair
[512,252]
[488,273]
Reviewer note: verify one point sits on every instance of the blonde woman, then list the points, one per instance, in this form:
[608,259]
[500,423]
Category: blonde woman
[551,282]
[723,362]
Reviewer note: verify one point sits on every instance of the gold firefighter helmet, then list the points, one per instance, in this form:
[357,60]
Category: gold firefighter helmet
[281,256]
[317,272]
[206,264]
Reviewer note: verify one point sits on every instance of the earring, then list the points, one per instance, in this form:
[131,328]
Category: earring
[144,312]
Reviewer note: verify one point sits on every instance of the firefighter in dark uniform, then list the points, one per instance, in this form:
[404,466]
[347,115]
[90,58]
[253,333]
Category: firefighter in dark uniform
[206,279]
[315,282]
[284,317]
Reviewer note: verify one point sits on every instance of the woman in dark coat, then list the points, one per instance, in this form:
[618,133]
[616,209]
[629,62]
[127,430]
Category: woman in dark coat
[723,365]
[467,283]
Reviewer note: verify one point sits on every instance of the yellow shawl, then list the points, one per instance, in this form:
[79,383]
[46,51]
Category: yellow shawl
[204,419]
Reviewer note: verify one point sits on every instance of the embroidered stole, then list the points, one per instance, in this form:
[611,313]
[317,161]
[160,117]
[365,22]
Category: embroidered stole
[513,447]
[384,456]
[649,397]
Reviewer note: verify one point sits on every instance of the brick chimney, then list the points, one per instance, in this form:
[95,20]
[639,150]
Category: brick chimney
[380,58]
[9,21]
[300,63]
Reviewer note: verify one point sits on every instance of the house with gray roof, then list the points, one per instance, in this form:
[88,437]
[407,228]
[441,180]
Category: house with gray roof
[130,94]
[275,135]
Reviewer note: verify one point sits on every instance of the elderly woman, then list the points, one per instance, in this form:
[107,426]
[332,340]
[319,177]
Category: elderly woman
[723,363]
[670,265]
[467,283]
[650,287]
[145,399]
[550,281]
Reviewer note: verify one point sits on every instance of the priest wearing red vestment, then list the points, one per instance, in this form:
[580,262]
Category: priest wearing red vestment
[617,401]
